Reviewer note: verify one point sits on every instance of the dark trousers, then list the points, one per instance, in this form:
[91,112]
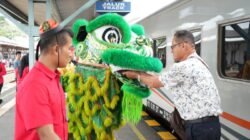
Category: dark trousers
[209,130]
[1,85]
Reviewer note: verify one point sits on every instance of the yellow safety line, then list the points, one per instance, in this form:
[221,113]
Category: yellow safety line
[165,135]
[137,132]
[152,123]
[143,113]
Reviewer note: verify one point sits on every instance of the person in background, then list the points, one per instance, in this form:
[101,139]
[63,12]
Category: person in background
[16,65]
[2,73]
[246,68]
[17,60]
[23,69]
[40,100]
[195,94]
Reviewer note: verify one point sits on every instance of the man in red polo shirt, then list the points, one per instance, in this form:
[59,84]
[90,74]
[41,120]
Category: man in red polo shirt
[40,100]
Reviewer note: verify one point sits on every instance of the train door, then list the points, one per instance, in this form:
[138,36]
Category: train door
[159,49]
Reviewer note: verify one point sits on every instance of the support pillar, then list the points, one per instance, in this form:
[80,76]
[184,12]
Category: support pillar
[48,9]
[31,39]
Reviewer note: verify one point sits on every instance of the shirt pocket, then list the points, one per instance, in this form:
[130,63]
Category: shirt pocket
[56,107]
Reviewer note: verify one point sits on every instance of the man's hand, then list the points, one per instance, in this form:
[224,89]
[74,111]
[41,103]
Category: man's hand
[152,81]
[47,132]
[131,74]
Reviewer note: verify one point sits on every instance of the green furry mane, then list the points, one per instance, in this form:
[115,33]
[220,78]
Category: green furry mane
[128,59]
[138,29]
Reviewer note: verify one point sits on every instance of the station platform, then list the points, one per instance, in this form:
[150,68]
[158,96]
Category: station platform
[146,129]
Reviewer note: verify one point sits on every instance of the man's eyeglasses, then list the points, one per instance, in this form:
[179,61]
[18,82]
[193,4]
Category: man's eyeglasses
[172,47]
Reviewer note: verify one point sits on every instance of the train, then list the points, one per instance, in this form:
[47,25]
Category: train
[222,38]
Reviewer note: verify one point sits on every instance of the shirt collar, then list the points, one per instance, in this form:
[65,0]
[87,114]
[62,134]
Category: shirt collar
[194,54]
[51,74]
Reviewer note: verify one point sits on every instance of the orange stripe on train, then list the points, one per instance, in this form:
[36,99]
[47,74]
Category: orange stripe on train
[236,120]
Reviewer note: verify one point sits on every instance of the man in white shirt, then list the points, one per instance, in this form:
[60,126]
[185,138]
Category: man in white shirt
[195,93]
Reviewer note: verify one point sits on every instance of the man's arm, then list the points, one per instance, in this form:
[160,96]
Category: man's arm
[46,132]
[152,81]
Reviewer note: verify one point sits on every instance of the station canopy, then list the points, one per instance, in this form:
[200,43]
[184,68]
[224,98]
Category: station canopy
[62,9]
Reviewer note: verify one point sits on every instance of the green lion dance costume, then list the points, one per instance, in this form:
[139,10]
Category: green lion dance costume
[99,98]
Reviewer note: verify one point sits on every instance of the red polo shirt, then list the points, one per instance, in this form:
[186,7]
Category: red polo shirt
[40,101]
[2,72]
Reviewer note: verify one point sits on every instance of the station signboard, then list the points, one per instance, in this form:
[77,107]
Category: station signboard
[121,8]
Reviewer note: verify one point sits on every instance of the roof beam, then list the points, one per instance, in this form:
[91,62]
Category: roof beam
[39,1]
[31,34]
[13,11]
[77,12]
[48,9]
[241,32]
[21,26]
[55,6]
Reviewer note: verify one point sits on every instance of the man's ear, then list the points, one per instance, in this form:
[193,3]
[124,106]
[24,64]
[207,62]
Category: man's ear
[54,49]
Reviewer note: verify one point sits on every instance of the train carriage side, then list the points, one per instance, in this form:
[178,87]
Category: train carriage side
[224,31]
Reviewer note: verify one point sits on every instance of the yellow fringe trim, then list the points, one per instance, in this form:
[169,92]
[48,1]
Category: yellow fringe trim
[82,105]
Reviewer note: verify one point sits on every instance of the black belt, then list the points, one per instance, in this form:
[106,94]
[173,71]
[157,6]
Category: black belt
[204,119]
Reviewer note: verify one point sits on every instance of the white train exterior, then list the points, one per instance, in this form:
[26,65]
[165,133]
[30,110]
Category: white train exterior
[222,31]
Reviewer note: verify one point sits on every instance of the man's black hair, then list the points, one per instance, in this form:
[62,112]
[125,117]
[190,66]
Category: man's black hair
[184,35]
[58,38]
[18,52]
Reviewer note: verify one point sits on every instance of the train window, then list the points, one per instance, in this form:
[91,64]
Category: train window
[197,39]
[160,49]
[235,50]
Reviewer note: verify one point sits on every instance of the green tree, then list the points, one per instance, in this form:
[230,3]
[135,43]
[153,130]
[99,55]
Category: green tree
[8,30]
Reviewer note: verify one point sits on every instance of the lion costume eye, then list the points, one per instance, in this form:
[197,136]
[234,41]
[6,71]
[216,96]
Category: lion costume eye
[109,34]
